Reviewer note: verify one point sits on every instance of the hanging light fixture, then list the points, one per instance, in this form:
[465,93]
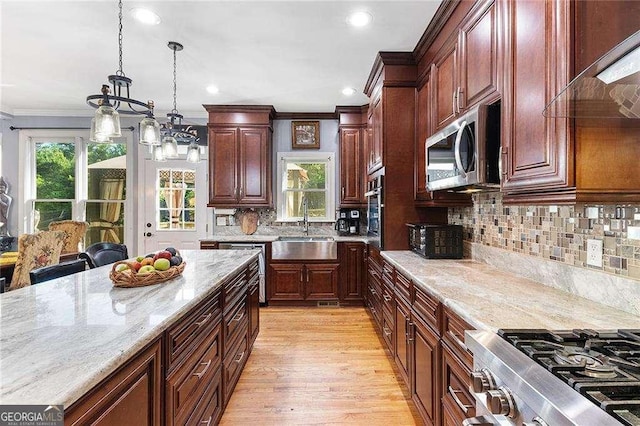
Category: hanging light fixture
[193,153]
[173,129]
[157,153]
[106,124]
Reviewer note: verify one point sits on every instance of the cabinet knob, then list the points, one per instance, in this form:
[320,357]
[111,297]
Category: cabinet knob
[500,402]
[482,381]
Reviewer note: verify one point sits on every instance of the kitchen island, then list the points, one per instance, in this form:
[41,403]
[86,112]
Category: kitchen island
[63,337]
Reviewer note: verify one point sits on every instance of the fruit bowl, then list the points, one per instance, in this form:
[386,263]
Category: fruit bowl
[124,273]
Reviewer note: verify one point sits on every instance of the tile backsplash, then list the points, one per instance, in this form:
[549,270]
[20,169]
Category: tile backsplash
[557,233]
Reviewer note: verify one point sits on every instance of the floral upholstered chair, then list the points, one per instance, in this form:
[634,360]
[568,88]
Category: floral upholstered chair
[35,251]
[74,234]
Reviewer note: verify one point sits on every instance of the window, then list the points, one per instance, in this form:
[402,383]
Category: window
[309,176]
[67,178]
[176,203]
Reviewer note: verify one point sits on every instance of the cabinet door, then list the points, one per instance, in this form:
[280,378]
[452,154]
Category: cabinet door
[352,271]
[376,150]
[455,385]
[403,318]
[444,76]
[254,167]
[321,281]
[130,396]
[478,65]
[223,158]
[537,151]
[286,281]
[351,188]
[254,312]
[425,357]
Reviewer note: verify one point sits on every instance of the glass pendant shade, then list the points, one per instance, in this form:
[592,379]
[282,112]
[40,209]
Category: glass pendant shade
[157,153]
[149,131]
[107,122]
[170,147]
[97,137]
[193,153]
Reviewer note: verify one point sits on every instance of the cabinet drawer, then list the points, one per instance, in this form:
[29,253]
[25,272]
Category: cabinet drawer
[253,270]
[387,300]
[235,322]
[209,408]
[232,366]
[182,335]
[186,385]
[455,385]
[374,304]
[387,273]
[388,328]
[428,308]
[403,286]
[233,290]
[453,328]
[375,258]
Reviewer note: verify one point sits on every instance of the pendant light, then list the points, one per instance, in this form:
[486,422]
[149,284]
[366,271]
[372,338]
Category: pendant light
[193,153]
[157,153]
[173,128]
[106,123]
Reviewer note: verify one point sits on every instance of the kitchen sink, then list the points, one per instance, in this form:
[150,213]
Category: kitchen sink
[304,248]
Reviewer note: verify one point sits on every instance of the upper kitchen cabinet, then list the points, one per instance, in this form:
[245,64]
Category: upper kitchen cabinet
[465,70]
[240,140]
[560,160]
[353,170]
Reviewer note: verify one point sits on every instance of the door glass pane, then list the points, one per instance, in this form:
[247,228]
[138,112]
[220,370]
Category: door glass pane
[55,171]
[176,199]
[106,222]
[46,212]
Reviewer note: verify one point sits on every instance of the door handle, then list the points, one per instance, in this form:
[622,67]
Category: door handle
[147,234]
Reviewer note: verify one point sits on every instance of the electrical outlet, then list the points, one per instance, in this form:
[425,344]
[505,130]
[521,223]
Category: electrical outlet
[594,253]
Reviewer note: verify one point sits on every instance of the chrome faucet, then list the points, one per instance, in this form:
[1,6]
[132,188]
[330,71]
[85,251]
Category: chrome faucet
[305,215]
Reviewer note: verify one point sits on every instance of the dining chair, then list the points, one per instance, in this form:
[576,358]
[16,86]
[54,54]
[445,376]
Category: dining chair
[74,234]
[100,254]
[62,269]
[35,251]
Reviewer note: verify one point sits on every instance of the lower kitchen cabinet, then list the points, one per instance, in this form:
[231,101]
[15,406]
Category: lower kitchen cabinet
[254,310]
[425,354]
[353,257]
[304,282]
[131,395]
[403,339]
[455,386]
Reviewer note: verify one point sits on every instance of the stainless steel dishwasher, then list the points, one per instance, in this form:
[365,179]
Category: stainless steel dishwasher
[261,262]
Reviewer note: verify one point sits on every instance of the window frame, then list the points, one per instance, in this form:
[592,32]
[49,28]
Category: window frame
[27,165]
[309,157]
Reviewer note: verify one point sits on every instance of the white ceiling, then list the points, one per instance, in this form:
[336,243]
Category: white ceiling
[295,55]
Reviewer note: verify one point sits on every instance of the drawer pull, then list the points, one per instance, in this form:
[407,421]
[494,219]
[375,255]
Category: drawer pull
[412,332]
[457,340]
[204,370]
[238,316]
[387,298]
[204,320]
[386,331]
[373,291]
[239,357]
[206,422]
[454,394]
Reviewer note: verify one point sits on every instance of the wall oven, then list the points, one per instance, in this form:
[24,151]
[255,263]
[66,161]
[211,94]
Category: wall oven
[465,155]
[375,207]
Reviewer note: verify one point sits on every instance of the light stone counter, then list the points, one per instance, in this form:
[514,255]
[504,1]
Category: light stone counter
[60,338]
[489,298]
[272,238]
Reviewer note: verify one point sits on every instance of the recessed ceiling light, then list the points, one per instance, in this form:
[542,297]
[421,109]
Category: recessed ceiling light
[145,16]
[348,91]
[213,89]
[359,19]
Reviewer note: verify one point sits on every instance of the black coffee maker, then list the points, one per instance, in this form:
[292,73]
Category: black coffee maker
[348,222]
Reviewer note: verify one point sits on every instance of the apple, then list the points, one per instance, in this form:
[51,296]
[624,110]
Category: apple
[171,250]
[146,269]
[122,267]
[162,264]
[139,258]
[136,265]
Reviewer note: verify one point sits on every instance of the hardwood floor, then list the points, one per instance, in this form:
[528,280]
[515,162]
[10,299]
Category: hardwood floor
[319,366]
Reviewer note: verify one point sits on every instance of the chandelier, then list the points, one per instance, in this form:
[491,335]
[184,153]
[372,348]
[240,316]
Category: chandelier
[116,100]
[173,130]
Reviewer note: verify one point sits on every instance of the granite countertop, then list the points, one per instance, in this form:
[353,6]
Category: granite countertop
[271,238]
[61,338]
[489,298]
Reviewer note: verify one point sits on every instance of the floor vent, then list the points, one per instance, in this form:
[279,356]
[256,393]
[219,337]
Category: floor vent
[329,304]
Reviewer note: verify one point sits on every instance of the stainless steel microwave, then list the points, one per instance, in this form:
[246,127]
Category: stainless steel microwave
[465,155]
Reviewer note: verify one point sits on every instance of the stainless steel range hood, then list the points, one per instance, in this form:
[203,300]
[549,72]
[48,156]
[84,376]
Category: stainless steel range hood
[609,88]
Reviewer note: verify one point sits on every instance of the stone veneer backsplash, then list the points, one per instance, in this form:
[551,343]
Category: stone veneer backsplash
[557,233]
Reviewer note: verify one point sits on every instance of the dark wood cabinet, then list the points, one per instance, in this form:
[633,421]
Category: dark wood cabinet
[303,282]
[240,140]
[376,149]
[445,78]
[287,281]
[321,281]
[351,184]
[404,338]
[131,395]
[426,368]
[254,304]
[353,257]
[455,386]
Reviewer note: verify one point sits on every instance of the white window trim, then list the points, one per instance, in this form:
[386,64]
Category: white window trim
[27,164]
[329,158]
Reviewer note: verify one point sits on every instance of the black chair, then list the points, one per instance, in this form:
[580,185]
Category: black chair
[100,254]
[63,269]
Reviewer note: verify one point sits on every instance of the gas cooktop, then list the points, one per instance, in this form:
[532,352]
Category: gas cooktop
[603,366]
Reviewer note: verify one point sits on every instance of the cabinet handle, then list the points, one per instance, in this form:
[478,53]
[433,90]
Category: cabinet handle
[386,297]
[301,276]
[373,291]
[241,191]
[454,394]
[204,320]
[239,358]
[453,102]
[342,192]
[386,331]
[238,316]
[457,340]
[204,370]
[206,422]
[412,332]
[458,96]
